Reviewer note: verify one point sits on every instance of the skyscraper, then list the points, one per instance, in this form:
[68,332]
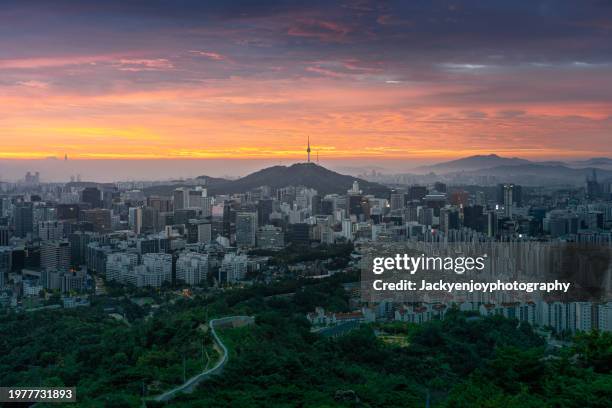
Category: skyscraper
[192,268]
[55,255]
[510,196]
[264,209]
[246,229]
[92,196]
[99,218]
[181,198]
[23,215]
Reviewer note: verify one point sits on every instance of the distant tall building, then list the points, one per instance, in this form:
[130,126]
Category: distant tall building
[120,264]
[158,268]
[270,237]
[67,212]
[55,255]
[197,198]
[50,230]
[397,201]
[199,231]
[417,192]
[246,229]
[99,218]
[510,196]
[92,196]
[264,209]
[135,219]
[233,268]
[593,188]
[23,215]
[299,234]
[161,204]
[327,207]
[315,205]
[6,256]
[473,217]
[150,220]
[440,187]
[5,235]
[181,198]
[192,268]
[32,178]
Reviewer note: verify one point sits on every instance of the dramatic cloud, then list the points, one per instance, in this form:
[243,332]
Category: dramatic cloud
[252,79]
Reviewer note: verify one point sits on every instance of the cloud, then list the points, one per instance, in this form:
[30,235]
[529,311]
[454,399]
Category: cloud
[210,55]
[320,29]
[137,65]
[50,62]
[34,84]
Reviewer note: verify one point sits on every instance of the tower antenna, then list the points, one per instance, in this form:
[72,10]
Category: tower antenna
[308,149]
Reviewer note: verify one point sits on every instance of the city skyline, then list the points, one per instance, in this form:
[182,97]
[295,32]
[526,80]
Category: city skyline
[363,80]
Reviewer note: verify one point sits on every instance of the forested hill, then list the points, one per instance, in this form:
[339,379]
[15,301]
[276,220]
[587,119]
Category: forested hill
[308,175]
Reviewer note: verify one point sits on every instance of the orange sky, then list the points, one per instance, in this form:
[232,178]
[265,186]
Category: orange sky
[219,87]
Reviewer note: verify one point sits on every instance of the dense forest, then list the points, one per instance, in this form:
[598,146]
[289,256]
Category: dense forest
[463,361]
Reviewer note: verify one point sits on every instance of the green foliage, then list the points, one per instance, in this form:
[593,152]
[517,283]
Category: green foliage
[462,361]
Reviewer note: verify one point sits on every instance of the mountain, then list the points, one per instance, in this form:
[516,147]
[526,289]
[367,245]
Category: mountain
[309,175]
[472,163]
[595,161]
[541,174]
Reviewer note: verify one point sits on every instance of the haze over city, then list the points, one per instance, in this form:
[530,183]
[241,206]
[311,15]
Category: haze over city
[381,83]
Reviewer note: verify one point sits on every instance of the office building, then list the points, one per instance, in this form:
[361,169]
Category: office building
[55,255]
[192,268]
[246,229]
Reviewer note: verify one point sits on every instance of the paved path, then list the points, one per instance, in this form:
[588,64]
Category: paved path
[189,385]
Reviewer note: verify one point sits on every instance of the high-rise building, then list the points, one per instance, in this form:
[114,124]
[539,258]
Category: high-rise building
[23,216]
[150,220]
[449,219]
[197,198]
[270,237]
[246,229]
[6,256]
[510,196]
[327,207]
[161,204]
[67,212]
[199,231]
[417,192]
[135,219]
[181,198]
[264,209]
[397,201]
[158,268]
[440,187]
[50,230]
[473,217]
[55,255]
[92,196]
[99,218]
[192,268]
[5,235]
[233,268]
[593,188]
[119,265]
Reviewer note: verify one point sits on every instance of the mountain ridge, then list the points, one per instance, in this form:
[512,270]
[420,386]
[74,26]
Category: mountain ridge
[309,175]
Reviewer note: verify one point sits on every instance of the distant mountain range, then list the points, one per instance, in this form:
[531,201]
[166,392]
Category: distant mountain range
[472,163]
[522,171]
[301,174]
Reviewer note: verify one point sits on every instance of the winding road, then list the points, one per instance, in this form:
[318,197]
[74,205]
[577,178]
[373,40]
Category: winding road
[189,385]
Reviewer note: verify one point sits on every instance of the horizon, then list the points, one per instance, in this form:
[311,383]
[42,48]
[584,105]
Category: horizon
[364,80]
[125,170]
